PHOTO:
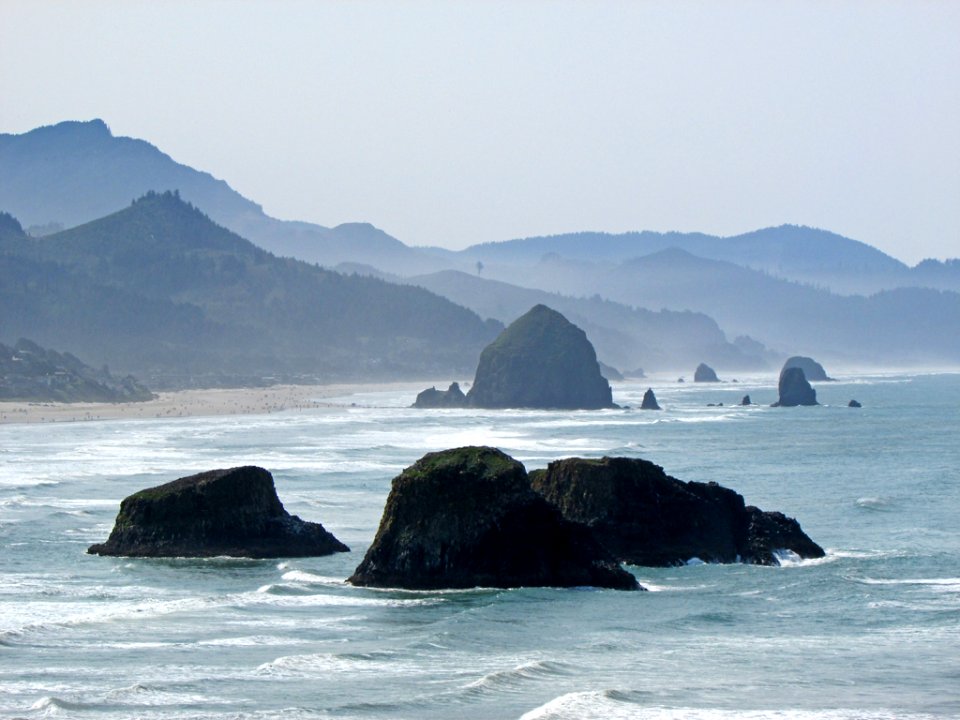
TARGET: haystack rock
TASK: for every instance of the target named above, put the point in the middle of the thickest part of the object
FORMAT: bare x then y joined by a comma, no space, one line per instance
541,360
468,517
794,389
645,517
812,370
705,373
649,401
233,512
452,397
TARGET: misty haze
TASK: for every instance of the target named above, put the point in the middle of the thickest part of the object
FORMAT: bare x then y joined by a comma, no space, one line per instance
488,360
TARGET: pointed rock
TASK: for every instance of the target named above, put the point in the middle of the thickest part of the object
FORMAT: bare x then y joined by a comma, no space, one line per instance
649,401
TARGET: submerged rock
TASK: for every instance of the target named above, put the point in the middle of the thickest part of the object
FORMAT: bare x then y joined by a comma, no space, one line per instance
794,389
233,512
705,373
649,401
812,370
854,404
452,397
541,360
645,517
468,517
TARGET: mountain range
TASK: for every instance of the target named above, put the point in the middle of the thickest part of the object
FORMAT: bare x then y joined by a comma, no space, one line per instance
657,300
160,290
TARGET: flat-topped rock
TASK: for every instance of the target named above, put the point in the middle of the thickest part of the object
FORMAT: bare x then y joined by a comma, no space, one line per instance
234,512
467,517
645,517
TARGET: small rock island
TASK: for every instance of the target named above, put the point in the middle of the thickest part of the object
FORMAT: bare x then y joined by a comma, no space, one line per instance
234,513
812,370
467,517
794,389
645,517
705,374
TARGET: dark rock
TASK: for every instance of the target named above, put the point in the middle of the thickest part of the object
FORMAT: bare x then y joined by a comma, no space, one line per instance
233,512
680,380
541,360
812,370
854,404
794,389
705,373
649,401
468,517
746,400
645,517
452,397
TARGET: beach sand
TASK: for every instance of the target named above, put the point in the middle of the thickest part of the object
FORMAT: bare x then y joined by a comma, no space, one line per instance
199,403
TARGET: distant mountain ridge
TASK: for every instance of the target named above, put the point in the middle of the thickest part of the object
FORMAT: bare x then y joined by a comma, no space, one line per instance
75,172
162,291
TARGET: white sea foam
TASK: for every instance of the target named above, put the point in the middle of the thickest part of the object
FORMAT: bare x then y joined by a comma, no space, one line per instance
613,705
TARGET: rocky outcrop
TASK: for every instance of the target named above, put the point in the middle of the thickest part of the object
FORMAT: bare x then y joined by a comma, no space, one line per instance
746,400
794,389
233,512
452,397
610,372
649,401
32,373
812,370
645,517
705,373
468,517
541,360
854,404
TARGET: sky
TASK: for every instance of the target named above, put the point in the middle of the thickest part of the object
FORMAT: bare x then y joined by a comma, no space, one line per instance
452,123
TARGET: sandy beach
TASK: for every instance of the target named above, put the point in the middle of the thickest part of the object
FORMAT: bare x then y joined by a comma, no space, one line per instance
198,403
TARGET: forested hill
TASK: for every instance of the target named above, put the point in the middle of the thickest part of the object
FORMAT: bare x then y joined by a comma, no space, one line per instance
160,290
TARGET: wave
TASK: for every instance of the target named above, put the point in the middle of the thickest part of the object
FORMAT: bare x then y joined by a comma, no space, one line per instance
879,504
939,584
516,678
617,705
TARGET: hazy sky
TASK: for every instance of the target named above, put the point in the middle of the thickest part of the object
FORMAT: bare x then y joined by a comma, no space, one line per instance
451,123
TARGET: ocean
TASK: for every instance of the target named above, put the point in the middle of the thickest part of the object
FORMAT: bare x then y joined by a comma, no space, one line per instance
871,631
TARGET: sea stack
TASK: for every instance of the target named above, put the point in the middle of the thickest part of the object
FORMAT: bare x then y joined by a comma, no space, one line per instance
812,370
649,401
541,360
452,397
467,517
794,389
233,512
645,517
746,400
705,373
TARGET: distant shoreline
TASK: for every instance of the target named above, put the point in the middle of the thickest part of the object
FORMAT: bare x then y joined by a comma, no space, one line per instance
195,403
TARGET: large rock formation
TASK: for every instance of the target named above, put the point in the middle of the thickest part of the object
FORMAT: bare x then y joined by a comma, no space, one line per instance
233,512
645,517
468,518
794,389
649,401
541,360
812,370
452,397
705,373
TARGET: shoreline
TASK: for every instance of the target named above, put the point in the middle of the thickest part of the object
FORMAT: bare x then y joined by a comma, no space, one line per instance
209,402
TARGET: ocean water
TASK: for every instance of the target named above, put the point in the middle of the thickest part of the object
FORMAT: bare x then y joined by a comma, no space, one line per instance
871,631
